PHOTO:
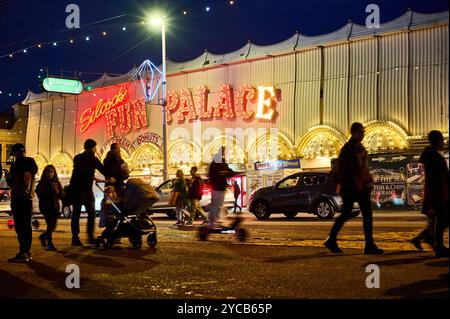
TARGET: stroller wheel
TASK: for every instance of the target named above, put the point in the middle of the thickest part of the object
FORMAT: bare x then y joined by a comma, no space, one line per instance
151,240
203,233
241,234
136,241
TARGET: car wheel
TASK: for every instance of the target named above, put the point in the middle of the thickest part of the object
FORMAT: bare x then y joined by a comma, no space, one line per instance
261,211
290,215
67,212
324,210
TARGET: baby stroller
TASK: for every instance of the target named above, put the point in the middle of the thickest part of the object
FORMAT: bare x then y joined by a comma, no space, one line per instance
129,218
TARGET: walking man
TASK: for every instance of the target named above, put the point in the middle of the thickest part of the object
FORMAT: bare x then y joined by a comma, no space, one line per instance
218,174
84,166
436,195
355,185
21,181
195,196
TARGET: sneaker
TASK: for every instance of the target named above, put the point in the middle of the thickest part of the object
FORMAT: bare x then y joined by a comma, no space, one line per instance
332,245
416,243
50,247
442,252
76,242
19,258
373,250
43,240
189,223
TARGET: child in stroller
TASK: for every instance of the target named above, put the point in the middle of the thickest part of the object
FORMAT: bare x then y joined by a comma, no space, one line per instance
127,216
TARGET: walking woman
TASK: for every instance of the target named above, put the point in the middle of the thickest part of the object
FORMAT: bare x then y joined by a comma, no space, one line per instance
49,191
180,198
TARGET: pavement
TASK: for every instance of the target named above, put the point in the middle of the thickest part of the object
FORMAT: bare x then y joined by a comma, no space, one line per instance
281,259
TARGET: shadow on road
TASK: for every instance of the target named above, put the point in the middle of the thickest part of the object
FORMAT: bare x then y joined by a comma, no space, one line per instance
431,288
14,287
57,279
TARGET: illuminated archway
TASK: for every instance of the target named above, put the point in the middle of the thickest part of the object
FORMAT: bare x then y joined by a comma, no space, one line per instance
183,151
41,162
235,151
384,136
321,141
63,163
146,155
271,146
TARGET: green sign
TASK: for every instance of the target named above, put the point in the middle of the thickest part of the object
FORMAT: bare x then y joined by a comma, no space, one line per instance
63,85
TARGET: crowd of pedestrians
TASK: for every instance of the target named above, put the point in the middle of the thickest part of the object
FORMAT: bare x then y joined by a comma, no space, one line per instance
350,173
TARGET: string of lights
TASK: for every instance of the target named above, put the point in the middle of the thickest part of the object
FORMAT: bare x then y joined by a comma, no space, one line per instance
76,39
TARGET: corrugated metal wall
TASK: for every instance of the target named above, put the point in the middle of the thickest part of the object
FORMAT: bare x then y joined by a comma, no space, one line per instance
444,80
32,137
335,87
363,81
394,79
307,110
426,50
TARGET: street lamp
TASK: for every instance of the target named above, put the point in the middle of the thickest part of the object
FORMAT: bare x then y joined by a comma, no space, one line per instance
159,21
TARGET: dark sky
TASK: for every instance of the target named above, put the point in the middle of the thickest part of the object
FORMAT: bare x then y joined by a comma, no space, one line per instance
224,28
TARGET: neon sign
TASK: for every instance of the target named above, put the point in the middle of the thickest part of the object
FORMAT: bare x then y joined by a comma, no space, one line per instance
91,115
119,114
226,105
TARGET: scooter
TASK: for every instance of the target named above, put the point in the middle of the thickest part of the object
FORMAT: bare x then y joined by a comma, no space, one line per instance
235,228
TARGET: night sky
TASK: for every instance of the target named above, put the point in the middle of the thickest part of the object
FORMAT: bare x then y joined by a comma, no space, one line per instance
223,29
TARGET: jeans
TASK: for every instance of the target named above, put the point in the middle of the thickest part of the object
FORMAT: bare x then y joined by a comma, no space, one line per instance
366,210
88,201
22,209
51,218
197,208
217,198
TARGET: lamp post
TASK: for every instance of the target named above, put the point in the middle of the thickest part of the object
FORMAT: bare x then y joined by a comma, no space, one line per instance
160,22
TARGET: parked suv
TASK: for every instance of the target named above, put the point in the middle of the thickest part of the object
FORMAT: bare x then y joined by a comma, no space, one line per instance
164,190
313,193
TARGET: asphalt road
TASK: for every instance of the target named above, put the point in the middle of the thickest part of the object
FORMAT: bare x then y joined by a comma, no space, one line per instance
281,259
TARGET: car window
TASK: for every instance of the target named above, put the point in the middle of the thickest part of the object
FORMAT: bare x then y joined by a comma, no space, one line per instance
311,180
167,185
289,182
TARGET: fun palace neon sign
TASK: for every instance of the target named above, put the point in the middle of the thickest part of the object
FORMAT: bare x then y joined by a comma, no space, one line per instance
180,105
123,113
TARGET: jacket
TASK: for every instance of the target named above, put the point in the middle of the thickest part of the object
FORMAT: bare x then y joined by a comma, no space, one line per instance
436,176
352,172
49,197
218,174
84,166
196,188
21,178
